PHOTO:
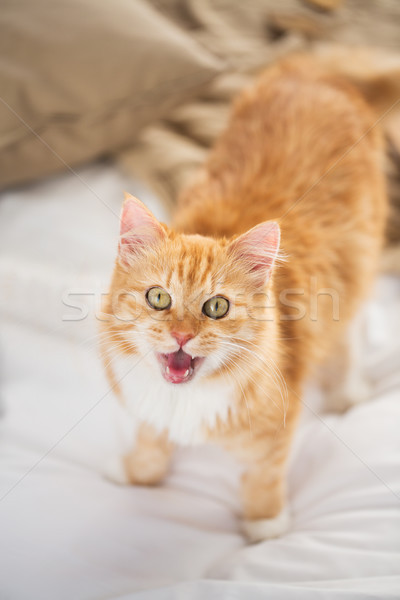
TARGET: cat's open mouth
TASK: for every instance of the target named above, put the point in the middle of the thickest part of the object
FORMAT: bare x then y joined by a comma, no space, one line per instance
178,367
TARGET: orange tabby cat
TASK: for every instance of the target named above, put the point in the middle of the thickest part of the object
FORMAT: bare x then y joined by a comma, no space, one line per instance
216,323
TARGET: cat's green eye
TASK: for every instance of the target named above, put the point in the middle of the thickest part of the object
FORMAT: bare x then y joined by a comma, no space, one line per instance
158,298
216,307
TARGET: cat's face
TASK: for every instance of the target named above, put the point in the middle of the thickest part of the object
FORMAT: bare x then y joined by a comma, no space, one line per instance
187,304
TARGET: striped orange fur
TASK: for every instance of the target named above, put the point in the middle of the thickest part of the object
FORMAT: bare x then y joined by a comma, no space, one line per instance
301,151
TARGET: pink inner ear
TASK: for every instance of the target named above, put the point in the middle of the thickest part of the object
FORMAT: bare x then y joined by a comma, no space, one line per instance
258,248
139,229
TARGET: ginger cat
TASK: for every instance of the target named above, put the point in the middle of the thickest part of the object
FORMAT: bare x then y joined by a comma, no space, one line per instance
218,322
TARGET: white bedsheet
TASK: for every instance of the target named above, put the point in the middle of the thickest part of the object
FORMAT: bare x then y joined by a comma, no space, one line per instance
67,533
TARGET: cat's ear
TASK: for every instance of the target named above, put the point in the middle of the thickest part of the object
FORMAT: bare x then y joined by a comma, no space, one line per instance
139,230
258,249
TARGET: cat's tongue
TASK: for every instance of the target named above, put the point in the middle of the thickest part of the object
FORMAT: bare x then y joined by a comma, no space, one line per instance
179,366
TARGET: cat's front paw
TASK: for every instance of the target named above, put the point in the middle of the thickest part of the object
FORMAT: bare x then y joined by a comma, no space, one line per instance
136,469
265,529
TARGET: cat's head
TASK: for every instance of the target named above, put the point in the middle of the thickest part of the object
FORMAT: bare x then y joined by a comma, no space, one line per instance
189,304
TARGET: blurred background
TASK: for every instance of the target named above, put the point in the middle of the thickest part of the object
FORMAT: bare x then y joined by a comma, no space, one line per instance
98,97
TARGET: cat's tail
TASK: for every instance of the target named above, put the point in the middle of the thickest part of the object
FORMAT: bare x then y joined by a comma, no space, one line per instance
376,74
391,255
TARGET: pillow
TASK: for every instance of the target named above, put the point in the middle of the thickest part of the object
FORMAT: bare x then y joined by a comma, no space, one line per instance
79,78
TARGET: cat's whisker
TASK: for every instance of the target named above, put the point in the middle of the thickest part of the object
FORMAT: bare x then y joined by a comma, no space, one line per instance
251,378
113,343
110,352
244,397
265,359
100,335
277,380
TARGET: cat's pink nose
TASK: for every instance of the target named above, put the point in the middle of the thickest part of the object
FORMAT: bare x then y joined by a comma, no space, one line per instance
182,337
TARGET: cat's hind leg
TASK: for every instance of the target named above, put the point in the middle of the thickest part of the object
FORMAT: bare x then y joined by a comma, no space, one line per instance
344,378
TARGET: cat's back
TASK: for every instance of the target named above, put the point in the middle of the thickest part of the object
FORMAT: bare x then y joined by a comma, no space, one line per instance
299,141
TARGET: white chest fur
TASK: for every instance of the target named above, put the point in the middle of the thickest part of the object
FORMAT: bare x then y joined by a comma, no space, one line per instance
185,410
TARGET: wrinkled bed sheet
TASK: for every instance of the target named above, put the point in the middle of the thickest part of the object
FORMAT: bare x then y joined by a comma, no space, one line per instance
66,532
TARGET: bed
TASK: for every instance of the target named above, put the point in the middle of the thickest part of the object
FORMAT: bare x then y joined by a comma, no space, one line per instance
67,532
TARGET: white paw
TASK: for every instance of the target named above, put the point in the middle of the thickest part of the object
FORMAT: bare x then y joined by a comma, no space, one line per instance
265,529
114,470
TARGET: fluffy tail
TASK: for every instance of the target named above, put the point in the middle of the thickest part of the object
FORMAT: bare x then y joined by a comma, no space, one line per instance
376,74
